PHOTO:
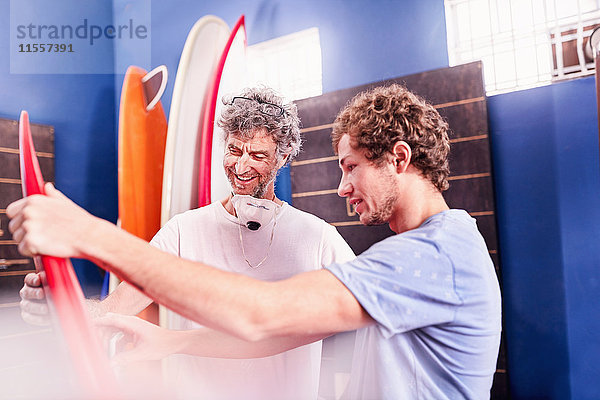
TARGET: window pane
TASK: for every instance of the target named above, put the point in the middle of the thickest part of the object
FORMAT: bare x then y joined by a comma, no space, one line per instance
514,38
290,64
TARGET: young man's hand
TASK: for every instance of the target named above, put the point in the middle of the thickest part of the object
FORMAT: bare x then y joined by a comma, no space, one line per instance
51,225
140,339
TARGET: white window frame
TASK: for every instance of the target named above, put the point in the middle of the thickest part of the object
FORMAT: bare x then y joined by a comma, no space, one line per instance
511,47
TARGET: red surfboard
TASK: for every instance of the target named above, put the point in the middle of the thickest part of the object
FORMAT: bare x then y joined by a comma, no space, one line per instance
64,292
208,120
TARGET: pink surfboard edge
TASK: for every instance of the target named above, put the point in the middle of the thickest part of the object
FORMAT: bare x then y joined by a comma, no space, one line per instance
205,156
64,291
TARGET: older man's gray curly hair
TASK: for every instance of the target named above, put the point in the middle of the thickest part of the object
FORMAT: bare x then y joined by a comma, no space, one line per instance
242,118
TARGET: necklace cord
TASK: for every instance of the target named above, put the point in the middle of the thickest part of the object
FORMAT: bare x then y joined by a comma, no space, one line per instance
268,248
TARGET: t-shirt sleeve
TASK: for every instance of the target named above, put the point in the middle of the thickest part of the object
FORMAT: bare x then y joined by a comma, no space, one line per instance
403,282
167,238
334,247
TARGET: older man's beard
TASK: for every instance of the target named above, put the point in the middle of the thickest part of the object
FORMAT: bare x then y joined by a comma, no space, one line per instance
261,187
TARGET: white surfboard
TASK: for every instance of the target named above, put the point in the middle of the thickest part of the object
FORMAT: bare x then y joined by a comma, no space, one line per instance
199,59
197,64
227,74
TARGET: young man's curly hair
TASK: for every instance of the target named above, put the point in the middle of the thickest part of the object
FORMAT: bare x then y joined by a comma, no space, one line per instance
378,118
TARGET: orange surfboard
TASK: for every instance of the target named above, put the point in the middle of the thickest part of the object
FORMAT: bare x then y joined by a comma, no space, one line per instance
142,136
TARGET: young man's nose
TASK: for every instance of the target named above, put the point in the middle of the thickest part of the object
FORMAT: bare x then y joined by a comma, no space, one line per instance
344,188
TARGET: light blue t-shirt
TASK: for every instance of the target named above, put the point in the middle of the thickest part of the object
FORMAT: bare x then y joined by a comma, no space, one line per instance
435,297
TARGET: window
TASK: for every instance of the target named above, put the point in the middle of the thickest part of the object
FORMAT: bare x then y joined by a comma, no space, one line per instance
290,64
522,43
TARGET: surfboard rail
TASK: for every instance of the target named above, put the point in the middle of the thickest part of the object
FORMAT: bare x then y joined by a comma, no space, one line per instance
208,119
64,292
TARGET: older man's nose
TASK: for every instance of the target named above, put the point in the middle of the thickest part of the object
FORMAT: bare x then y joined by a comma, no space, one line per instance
242,165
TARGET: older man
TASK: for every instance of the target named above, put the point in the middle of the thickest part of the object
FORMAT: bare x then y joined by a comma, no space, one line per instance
426,301
250,232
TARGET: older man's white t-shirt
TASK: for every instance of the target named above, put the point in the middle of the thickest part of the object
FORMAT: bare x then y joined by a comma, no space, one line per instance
297,242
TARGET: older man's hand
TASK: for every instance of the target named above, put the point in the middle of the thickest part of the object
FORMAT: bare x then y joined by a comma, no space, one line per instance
140,340
50,225
34,308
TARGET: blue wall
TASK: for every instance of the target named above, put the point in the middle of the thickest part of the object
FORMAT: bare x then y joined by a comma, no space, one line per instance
579,188
524,149
82,110
547,171
361,41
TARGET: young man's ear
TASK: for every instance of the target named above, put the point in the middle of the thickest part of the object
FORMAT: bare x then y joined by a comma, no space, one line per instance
401,154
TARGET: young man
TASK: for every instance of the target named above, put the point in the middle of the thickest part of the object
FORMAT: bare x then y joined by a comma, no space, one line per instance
426,301
250,232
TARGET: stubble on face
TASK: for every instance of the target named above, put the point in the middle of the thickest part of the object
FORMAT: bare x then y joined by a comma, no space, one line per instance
261,187
263,177
385,202
263,183
383,212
